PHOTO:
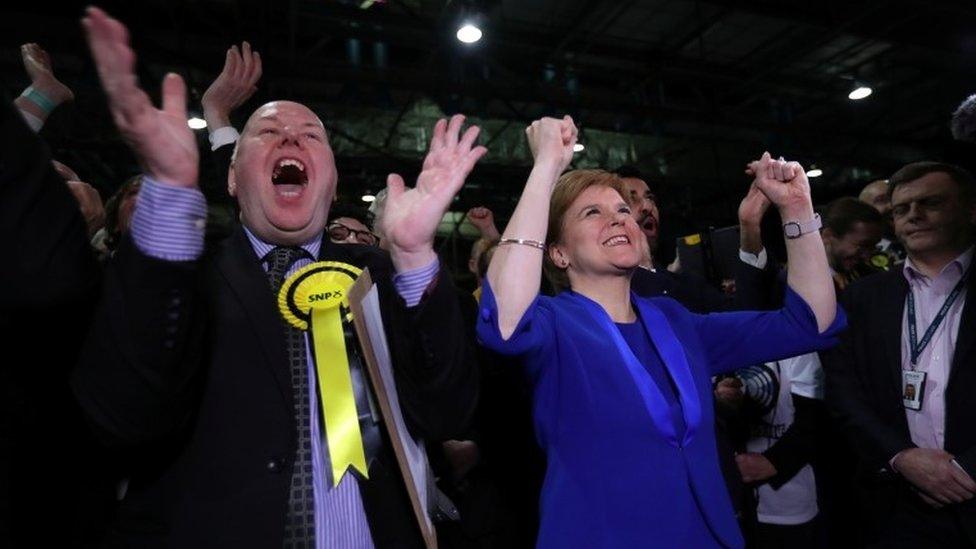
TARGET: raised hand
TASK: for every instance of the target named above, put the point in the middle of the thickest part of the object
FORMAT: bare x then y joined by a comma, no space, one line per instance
37,63
484,220
160,138
784,184
754,205
235,84
552,140
46,92
411,216
751,211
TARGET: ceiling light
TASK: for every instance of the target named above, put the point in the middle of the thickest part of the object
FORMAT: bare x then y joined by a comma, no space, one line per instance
860,92
469,34
196,123
579,147
814,172
368,198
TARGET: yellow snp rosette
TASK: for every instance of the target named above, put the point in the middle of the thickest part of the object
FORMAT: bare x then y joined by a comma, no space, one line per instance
312,299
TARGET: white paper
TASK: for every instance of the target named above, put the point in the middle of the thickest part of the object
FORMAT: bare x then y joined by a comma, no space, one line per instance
413,448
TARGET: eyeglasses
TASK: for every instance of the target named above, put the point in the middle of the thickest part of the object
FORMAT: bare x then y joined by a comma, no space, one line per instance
339,233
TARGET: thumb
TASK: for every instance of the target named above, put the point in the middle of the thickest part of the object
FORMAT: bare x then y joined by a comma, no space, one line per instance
174,95
395,187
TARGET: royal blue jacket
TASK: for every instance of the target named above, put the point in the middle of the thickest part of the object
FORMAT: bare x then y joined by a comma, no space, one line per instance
619,474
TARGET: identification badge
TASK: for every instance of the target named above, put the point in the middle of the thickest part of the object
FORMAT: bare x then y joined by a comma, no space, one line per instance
912,387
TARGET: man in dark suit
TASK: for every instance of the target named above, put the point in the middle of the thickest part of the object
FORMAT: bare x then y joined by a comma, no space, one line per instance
917,455
190,368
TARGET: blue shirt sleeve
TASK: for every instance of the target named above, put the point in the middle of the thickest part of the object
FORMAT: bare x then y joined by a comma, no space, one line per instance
169,221
738,339
534,333
411,285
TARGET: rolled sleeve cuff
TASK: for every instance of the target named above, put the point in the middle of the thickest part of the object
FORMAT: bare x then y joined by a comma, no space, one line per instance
223,136
411,285
755,260
169,221
34,122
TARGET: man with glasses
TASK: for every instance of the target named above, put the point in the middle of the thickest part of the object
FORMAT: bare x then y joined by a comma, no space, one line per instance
351,225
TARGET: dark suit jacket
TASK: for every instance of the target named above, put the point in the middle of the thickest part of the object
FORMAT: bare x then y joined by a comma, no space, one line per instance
48,286
186,368
753,289
863,389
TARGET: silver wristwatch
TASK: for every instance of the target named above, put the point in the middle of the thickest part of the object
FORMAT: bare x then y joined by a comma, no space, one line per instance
796,229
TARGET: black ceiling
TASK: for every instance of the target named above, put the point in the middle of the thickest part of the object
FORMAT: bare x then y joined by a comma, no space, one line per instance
688,90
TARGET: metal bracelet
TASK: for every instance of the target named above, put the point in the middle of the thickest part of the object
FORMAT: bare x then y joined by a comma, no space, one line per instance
524,242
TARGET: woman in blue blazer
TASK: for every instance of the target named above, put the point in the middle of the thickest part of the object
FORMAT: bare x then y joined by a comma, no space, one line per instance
622,396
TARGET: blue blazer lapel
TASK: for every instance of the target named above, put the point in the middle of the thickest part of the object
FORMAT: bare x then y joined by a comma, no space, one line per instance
671,353
675,360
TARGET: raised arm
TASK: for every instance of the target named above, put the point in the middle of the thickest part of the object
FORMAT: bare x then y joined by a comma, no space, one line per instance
411,215
45,92
235,84
135,377
515,271
786,186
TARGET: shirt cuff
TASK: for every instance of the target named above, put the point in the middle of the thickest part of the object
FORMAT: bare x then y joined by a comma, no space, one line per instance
169,221
223,136
34,122
411,285
756,260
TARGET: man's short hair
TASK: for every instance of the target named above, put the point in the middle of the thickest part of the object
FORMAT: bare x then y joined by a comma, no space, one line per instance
963,123
361,215
917,170
842,214
629,171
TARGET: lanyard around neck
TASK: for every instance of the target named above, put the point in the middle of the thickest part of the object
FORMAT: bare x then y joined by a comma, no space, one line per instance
918,346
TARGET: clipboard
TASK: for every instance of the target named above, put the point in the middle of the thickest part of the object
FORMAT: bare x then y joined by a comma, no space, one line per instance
410,454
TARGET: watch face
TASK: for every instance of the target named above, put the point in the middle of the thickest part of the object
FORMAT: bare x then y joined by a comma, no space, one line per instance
792,229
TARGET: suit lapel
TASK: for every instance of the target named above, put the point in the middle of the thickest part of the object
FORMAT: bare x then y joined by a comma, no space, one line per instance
967,331
891,312
675,361
241,269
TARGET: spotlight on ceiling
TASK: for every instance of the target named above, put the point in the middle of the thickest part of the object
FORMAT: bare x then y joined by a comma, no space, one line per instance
814,172
579,147
196,123
860,92
368,197
469,33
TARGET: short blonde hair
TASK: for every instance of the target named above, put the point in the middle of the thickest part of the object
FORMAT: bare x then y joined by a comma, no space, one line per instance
570,185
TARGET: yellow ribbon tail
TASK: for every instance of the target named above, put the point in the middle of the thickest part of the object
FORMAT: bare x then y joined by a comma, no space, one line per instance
342,431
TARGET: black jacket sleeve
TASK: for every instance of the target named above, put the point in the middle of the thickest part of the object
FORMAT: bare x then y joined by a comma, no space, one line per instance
135,378
50,260
875,440
438,383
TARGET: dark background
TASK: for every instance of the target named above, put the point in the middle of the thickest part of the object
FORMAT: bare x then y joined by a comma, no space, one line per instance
686,90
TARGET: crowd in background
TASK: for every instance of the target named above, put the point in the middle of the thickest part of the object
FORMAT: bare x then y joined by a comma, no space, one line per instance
118,413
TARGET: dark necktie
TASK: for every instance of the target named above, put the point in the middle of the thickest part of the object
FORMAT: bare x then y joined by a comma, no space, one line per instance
300,523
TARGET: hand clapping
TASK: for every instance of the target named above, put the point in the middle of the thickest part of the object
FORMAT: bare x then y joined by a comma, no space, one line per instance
160,138
411,216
